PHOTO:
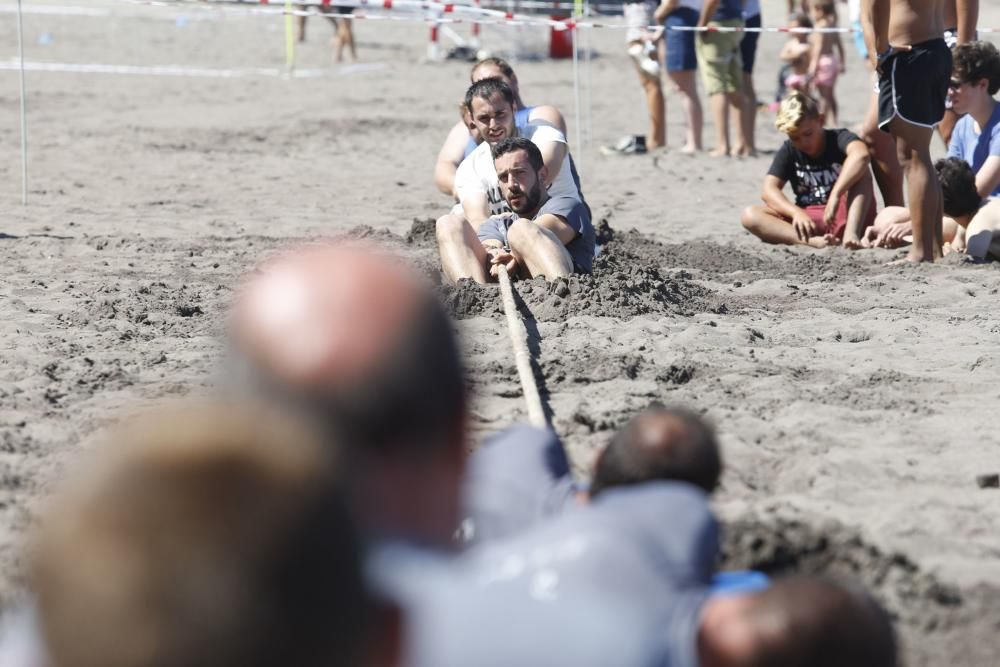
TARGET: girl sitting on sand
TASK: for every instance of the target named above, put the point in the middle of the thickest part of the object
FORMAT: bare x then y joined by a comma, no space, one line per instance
824,64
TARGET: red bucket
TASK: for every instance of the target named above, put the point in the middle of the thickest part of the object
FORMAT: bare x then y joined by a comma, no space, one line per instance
561,41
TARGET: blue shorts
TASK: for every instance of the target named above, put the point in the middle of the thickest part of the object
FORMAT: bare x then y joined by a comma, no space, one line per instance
748,45
681,55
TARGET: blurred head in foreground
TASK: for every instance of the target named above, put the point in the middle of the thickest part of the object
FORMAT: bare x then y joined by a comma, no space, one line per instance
204,535
660,443
355,340
797,622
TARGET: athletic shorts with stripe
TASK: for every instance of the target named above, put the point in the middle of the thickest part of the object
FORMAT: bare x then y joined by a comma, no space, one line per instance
914,84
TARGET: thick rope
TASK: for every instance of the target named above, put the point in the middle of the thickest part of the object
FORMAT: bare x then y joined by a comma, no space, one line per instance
522,357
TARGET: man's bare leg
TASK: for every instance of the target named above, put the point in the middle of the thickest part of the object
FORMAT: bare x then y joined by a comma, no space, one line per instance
885,163
462,255
769,228
748,118
539,250
719,102
913,144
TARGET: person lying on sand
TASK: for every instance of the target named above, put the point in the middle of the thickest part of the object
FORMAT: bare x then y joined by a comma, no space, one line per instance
481,196
829,174
464,137
971,224
541,236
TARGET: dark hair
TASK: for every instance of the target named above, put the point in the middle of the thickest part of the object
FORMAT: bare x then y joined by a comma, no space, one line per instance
958,187
801,18
486,88
511,144
683,449
978,60
820,623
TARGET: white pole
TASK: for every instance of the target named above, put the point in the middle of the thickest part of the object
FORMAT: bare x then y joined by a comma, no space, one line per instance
576,96
24,124
590,80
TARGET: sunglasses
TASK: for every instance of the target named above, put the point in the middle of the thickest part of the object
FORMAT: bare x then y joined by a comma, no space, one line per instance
955,84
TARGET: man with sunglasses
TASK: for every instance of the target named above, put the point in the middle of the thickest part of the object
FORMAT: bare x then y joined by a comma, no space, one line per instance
976,138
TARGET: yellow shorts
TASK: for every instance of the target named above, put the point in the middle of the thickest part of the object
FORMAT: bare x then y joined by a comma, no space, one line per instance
719,58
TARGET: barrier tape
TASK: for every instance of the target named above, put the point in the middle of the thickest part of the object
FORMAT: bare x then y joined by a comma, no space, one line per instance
181,70
444,13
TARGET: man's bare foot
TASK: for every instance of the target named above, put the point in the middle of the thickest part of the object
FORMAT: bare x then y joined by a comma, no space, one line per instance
915,256
719,152
744,151
818,242
690,150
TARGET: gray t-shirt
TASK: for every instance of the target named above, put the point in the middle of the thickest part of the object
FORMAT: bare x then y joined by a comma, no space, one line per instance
572,210
514,480
450,620
650,547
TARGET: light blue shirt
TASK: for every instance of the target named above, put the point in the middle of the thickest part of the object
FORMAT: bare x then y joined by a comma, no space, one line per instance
974,147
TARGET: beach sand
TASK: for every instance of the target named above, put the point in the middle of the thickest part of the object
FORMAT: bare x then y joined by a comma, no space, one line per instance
855,399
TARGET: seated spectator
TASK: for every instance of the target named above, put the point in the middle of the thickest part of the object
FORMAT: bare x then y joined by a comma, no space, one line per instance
211,535
976,137
464,136
829,174
971,224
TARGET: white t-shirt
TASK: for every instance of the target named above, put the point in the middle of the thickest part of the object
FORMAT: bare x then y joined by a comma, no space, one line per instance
477,174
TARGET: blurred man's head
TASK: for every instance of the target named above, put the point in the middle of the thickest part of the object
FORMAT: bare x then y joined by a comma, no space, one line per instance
356,340
975,76
521,173
798,622
205,535
497,68
660,443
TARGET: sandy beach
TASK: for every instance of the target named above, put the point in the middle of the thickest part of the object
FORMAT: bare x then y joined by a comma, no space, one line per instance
856,399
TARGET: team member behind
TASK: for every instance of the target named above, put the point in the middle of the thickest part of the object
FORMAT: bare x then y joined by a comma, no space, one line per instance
216,534
722,69
490,102
464,137
542,235
682,63
828,171
907,49
522,476
826,57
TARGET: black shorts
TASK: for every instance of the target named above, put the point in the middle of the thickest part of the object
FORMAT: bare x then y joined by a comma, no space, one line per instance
914,85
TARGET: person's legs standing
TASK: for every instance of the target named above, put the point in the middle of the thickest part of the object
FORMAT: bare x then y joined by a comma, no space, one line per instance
638,16
885,163
682,63
748,116
913,144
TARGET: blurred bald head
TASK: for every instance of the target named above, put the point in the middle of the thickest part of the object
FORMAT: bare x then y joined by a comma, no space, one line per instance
355,336
660,443
355,340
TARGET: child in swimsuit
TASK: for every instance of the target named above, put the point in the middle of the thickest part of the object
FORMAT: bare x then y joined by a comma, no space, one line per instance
824,63
794,74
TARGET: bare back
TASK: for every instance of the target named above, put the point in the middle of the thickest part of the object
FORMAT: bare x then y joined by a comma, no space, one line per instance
915,21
